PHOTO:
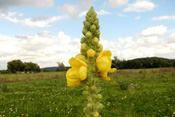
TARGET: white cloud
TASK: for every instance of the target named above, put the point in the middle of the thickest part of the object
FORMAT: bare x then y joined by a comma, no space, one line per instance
101,12
155,30
164,18
42,48
72,10
116,3
40,21
121,15
140,6
75,10
17,3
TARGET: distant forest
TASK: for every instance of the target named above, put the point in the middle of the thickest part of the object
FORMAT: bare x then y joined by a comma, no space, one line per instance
15,66
148,62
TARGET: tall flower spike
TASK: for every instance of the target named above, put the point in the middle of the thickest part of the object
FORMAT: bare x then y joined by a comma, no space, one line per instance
92,64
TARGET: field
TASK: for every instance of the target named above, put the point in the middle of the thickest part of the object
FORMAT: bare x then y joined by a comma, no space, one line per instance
143,92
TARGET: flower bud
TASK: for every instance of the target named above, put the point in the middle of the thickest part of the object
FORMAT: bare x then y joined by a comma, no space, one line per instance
89,99
96,114
85,110
88,35
91,20
93,88
100,106
98,96
97,33
84,31
91,53
100,47
89,106
87,18
93,28
96,22
98,26
83,46
95,40
85,93
86,24
83,39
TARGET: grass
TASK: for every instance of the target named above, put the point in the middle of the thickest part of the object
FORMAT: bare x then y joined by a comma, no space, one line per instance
129,93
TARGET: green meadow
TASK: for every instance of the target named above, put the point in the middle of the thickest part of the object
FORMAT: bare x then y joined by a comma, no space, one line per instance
141,92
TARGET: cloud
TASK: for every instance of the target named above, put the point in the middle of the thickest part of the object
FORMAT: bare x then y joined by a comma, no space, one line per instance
154,31
17,3
101,12
140,6
71,10
39,21
121,15
42,48
116,3
75,11
164,18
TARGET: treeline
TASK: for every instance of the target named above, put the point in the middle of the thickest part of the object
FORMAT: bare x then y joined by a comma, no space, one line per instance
16,66
153,62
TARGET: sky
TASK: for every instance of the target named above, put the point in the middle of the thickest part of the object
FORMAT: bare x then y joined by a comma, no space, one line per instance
49,31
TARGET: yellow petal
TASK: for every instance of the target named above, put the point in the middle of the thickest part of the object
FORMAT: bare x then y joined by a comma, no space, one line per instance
111,70
91,53
103,64
81,57
72,73
83,73
103,74
105,78
76,63
104,53
73,82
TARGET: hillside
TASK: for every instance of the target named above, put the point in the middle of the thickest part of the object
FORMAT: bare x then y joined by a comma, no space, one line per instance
151,59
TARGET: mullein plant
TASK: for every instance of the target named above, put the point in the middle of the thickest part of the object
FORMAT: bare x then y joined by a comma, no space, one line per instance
93,63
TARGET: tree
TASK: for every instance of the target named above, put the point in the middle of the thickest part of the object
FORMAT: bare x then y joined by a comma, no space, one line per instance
147,64
61,67
15,65
31,67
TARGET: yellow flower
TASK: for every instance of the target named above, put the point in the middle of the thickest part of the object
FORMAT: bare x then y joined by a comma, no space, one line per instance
81,57
91,53
100,47
77,73
103,63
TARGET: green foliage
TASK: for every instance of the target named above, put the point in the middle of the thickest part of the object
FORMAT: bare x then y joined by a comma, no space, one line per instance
61,67
124,85
15,65
18,66
153,62
149,96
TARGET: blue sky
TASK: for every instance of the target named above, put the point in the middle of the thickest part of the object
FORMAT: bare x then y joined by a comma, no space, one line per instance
49,31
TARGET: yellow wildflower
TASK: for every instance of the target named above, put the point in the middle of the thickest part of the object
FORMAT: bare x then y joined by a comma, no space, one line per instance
91,53
77,73
81,57
103,63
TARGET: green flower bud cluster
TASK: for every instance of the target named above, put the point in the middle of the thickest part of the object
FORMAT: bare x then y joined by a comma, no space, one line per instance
91,32
91,48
